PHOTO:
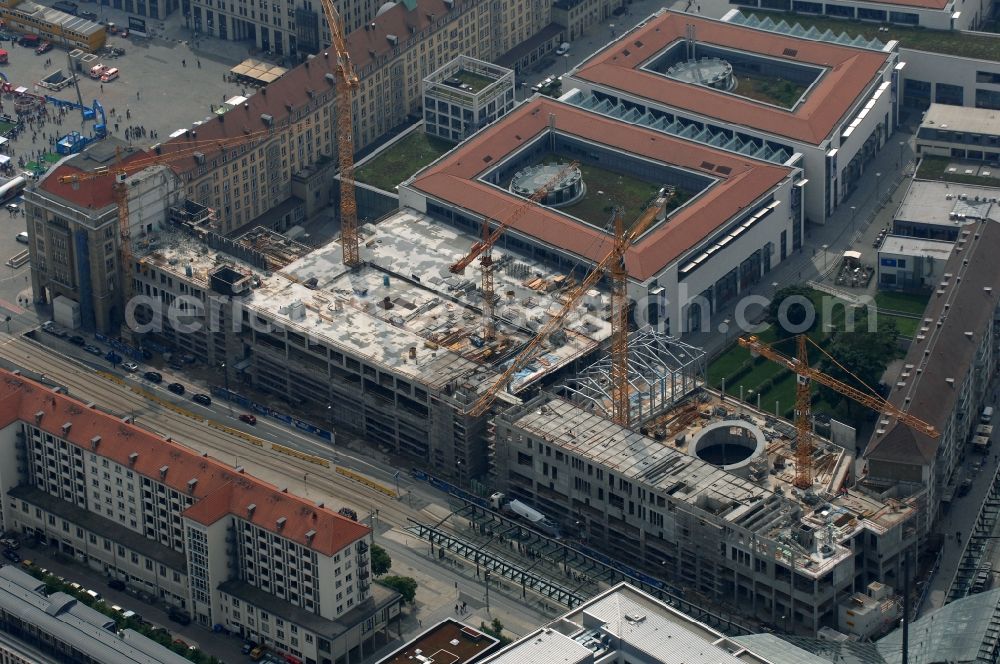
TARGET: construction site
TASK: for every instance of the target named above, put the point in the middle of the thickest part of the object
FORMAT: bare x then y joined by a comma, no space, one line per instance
395,349
709,500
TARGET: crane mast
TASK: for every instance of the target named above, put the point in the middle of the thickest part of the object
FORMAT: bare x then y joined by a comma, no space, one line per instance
347,84
620,412
799,365
620,244
484,250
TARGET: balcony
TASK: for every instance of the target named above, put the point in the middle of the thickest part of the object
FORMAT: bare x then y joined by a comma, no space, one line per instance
362,547
363,573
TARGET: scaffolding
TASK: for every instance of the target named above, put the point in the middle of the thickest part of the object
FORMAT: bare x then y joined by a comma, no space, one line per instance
663,371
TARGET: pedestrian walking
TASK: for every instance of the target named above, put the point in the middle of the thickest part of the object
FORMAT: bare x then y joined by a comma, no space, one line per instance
102,91
184,63
199,64
137,94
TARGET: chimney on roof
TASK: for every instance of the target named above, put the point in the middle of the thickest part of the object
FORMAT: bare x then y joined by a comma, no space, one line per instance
250,508
132,458
326,54
310,534
239,469
320,504
194,133
289,107
192,483
268,119
450,4
94,442
222,117
968,334
281,522
367,28
163,471
199,158
330,78
392,39
39,415
306,64
65,428
158,149
310,57
246,106
263,90
950,381
284,489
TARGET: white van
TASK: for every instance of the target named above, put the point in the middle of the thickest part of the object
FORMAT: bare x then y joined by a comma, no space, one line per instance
109,75
97,71
22,237
987,415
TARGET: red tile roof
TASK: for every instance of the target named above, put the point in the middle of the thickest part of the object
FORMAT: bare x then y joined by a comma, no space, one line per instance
93,194
453,179
219,489
849,71
291,92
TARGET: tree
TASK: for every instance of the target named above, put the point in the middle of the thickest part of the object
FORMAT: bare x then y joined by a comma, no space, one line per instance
495,629
794,313
404,585
381,562
860,356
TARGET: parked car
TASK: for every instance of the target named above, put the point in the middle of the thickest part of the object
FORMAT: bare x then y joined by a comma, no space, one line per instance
153,376
89,16
247,647
203,399
562,49
113,357
248,418
130,366
77,340
22,237
10,543
12,555
179,616
53,329
116,584
31,41
176,388
92,349
43,48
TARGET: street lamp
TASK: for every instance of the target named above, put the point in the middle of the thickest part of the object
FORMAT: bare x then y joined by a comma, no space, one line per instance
486,580
824,247
878,185
225,373
902,144
854,215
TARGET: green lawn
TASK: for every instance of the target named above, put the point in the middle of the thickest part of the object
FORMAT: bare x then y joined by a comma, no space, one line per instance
474,80
910,303
402,160
782,388
769,90
607,188
920,39
907,326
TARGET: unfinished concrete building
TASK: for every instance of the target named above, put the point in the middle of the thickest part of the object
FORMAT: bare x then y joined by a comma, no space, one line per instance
709,504
392,350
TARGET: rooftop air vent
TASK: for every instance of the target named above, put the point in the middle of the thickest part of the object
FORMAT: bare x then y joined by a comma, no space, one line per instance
163,471
267,119
950,381
392,39
94,442
280,523
65,428
132,458
192,483
310,534
330,78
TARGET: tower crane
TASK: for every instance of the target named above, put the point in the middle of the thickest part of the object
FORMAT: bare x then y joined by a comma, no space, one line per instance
621,413
799,365
620,243
484,249
347,84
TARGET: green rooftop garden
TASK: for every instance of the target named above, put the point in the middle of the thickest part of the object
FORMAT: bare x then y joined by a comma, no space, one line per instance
401,160
606,188
476,81
948,42
936,168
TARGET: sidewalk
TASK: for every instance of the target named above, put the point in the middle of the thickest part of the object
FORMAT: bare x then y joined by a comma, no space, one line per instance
823,245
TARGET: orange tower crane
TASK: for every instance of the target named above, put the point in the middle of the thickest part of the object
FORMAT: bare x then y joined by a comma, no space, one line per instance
620,243
347,85
799,365
484,249
621,413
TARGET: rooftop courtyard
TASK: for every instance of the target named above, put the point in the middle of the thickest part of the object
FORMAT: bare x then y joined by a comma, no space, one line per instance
607,188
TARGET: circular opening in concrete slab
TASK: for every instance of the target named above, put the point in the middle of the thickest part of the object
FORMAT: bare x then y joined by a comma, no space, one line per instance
729,444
